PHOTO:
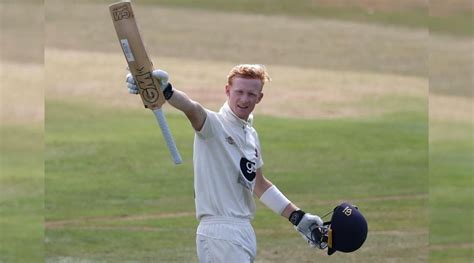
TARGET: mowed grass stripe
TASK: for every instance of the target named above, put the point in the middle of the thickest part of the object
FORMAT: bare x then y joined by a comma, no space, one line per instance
235,38
293,92
454,17
91,220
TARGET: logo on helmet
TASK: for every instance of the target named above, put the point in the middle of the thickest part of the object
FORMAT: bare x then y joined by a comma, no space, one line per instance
347,211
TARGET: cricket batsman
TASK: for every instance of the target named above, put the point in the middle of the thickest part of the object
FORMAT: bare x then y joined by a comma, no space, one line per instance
228,172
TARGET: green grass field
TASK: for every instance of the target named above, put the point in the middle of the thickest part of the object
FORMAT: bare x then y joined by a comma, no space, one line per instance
113,194
414,13
21,193
454,18
354,86
451,169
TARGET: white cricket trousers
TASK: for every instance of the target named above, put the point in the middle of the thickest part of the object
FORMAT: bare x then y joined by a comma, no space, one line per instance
225,240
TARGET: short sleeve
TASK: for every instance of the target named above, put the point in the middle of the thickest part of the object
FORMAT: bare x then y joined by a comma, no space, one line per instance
208,128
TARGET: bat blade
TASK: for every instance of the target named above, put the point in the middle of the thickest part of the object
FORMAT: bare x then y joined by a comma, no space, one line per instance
141,68
136,55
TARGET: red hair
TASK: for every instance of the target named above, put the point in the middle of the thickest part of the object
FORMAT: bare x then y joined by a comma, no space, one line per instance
249,71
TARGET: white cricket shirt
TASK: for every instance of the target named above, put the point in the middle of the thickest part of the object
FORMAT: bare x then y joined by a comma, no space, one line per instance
226,157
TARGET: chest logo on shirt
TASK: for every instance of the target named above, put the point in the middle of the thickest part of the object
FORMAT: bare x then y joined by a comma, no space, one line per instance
248,169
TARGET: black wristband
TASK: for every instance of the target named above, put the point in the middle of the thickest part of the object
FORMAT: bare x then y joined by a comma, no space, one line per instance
296,217
168,91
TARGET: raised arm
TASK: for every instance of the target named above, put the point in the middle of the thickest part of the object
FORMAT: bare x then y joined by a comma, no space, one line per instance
192,109
176,98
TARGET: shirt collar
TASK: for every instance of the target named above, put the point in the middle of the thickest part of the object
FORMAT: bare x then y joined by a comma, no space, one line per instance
228,114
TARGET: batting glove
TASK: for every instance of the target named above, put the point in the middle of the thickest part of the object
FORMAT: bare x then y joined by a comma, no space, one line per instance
305,224
132,87
160,75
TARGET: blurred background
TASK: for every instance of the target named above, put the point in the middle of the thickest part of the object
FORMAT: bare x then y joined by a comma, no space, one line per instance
21,131
370,102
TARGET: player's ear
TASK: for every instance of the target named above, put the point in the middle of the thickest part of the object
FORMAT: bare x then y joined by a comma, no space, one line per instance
260,97
227,89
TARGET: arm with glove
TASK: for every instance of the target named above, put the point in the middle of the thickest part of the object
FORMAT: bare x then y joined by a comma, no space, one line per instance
306,224
176,98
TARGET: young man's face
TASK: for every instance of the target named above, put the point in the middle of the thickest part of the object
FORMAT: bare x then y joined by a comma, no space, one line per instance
243,95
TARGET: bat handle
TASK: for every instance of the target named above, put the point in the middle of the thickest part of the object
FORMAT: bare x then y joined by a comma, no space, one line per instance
160,117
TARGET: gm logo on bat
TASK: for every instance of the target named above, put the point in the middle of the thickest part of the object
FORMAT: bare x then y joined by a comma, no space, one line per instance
122,13
147,85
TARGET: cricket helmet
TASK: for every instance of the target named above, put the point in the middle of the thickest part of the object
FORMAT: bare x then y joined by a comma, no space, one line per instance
346,232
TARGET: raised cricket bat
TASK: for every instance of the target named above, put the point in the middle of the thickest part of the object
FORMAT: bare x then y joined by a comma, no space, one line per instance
141,67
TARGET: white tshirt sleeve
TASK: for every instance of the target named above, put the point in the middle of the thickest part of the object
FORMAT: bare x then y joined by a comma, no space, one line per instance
207,130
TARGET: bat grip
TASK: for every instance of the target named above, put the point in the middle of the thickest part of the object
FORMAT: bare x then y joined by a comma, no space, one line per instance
160,117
